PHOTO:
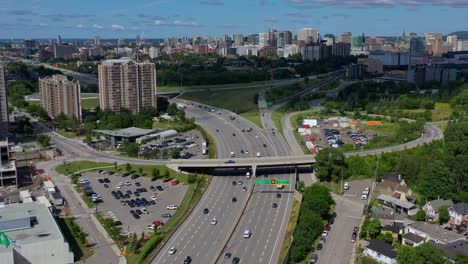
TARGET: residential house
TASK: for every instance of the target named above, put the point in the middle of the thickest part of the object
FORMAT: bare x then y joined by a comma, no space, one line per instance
459,217
393,185
398,205
411,239
454,249
433,233
381,251
395,231
387,217
432,207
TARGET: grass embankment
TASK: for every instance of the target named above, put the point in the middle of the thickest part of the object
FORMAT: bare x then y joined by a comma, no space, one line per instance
76,238
290,230
212,148
276,116
441,111
279,92
240,101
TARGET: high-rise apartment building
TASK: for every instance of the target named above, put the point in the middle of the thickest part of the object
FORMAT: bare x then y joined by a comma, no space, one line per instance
97,41
308,35
59,95
341,49
153,52
124,83
434,43
3,100
64,50
8,173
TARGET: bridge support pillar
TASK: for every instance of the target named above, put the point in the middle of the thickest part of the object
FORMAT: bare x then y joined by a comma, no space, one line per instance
296,175
254,171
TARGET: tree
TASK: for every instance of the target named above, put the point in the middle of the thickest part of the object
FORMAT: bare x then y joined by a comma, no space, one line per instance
155,173
370,228
115,165
425,253
175,154
330,164
421,215
43,140
444,215
192,178
167,174
140,170
172,109
131,149
387,237
128,167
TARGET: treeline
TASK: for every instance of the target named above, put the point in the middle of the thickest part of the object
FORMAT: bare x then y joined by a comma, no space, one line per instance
324,65
438,169
315,208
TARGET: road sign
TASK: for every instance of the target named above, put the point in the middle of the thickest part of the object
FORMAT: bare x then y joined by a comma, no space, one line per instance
263,182
282,182
272,182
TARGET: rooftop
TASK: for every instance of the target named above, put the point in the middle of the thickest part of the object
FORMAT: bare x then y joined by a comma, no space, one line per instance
128,132
436,204
395,201
413,237
27,223
436,232
385,213
455,248
461,208
382,248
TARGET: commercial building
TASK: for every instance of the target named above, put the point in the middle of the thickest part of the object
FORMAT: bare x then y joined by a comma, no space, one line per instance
434,43
59,95
308,35
3,101
341,49
97,40
64,50
34,235
310,53
345,37
372,66
8,173
153,52
263,39
124,83
394,59
129,134
238,39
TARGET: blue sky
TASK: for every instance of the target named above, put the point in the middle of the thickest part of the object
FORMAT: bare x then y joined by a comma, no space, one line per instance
165,18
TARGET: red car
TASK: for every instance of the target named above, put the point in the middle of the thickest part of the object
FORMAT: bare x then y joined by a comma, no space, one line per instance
158,223
328,227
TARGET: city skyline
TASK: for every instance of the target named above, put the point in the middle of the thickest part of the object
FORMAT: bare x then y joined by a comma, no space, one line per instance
159,19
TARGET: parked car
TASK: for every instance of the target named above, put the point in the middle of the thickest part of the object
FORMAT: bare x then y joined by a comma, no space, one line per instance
172,207
172,251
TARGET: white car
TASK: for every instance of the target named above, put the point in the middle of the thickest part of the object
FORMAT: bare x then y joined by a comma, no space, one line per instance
172,251
364,196
247,175
127,183
259,155
366,191
154,198
172,207
214,221
118,186
151,227
247,233
244,189
346,186
324,233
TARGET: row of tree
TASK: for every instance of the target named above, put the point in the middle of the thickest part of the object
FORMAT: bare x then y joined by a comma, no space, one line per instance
315,208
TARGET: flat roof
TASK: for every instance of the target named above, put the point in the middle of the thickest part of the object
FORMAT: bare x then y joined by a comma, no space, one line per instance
398,202
437,232
127,132
29,223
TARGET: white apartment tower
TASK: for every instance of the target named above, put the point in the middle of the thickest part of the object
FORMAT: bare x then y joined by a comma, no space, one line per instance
124,83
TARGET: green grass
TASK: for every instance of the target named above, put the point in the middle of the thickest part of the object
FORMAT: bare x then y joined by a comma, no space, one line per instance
290,230
276,116
240,101
80,251
193,195
90,103
212,149
442,111
87,95
197,87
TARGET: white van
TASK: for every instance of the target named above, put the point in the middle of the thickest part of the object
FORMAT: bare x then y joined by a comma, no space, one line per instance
247,175
247,233
258,155
232,154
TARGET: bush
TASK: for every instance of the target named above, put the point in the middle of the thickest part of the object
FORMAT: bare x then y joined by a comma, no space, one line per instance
192,178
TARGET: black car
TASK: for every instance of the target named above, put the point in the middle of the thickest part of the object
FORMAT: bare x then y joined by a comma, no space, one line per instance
234,199
275,205
100,171
313,259
137,194
264,145
205,211
136,216
166,215
278,195
331,221
129,192
159,188
138,211
127,196
217,130
234,183
235,260
319,246
101,181
134,176
106,180
227,255
188,260
110,173
233,134
137,184
334,215
125,174
114,193
106,185
152,188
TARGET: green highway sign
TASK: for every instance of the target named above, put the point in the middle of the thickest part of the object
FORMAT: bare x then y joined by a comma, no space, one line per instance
272,182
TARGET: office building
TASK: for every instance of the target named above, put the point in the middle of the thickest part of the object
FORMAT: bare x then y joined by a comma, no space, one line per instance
434,43
97,41
247,51
341,49
124,83
64,50
8,173
462,45
372,66
290,50
310,53
391,58
29,43
3,100
308,35
59,39
238,39
34,235
252,39
283,38
263,39
452,41
59,95
345,37
423,74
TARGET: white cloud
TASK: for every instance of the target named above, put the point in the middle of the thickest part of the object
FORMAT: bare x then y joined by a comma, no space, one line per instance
118,27
43,24
185,23
79,26
159,22
97,26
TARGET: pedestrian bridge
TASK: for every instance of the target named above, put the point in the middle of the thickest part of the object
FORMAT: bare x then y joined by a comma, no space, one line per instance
243,162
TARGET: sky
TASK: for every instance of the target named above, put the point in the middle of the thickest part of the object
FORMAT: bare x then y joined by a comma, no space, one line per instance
178,18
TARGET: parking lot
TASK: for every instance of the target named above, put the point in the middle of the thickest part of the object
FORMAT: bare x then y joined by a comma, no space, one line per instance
338,246
155,208
190,145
